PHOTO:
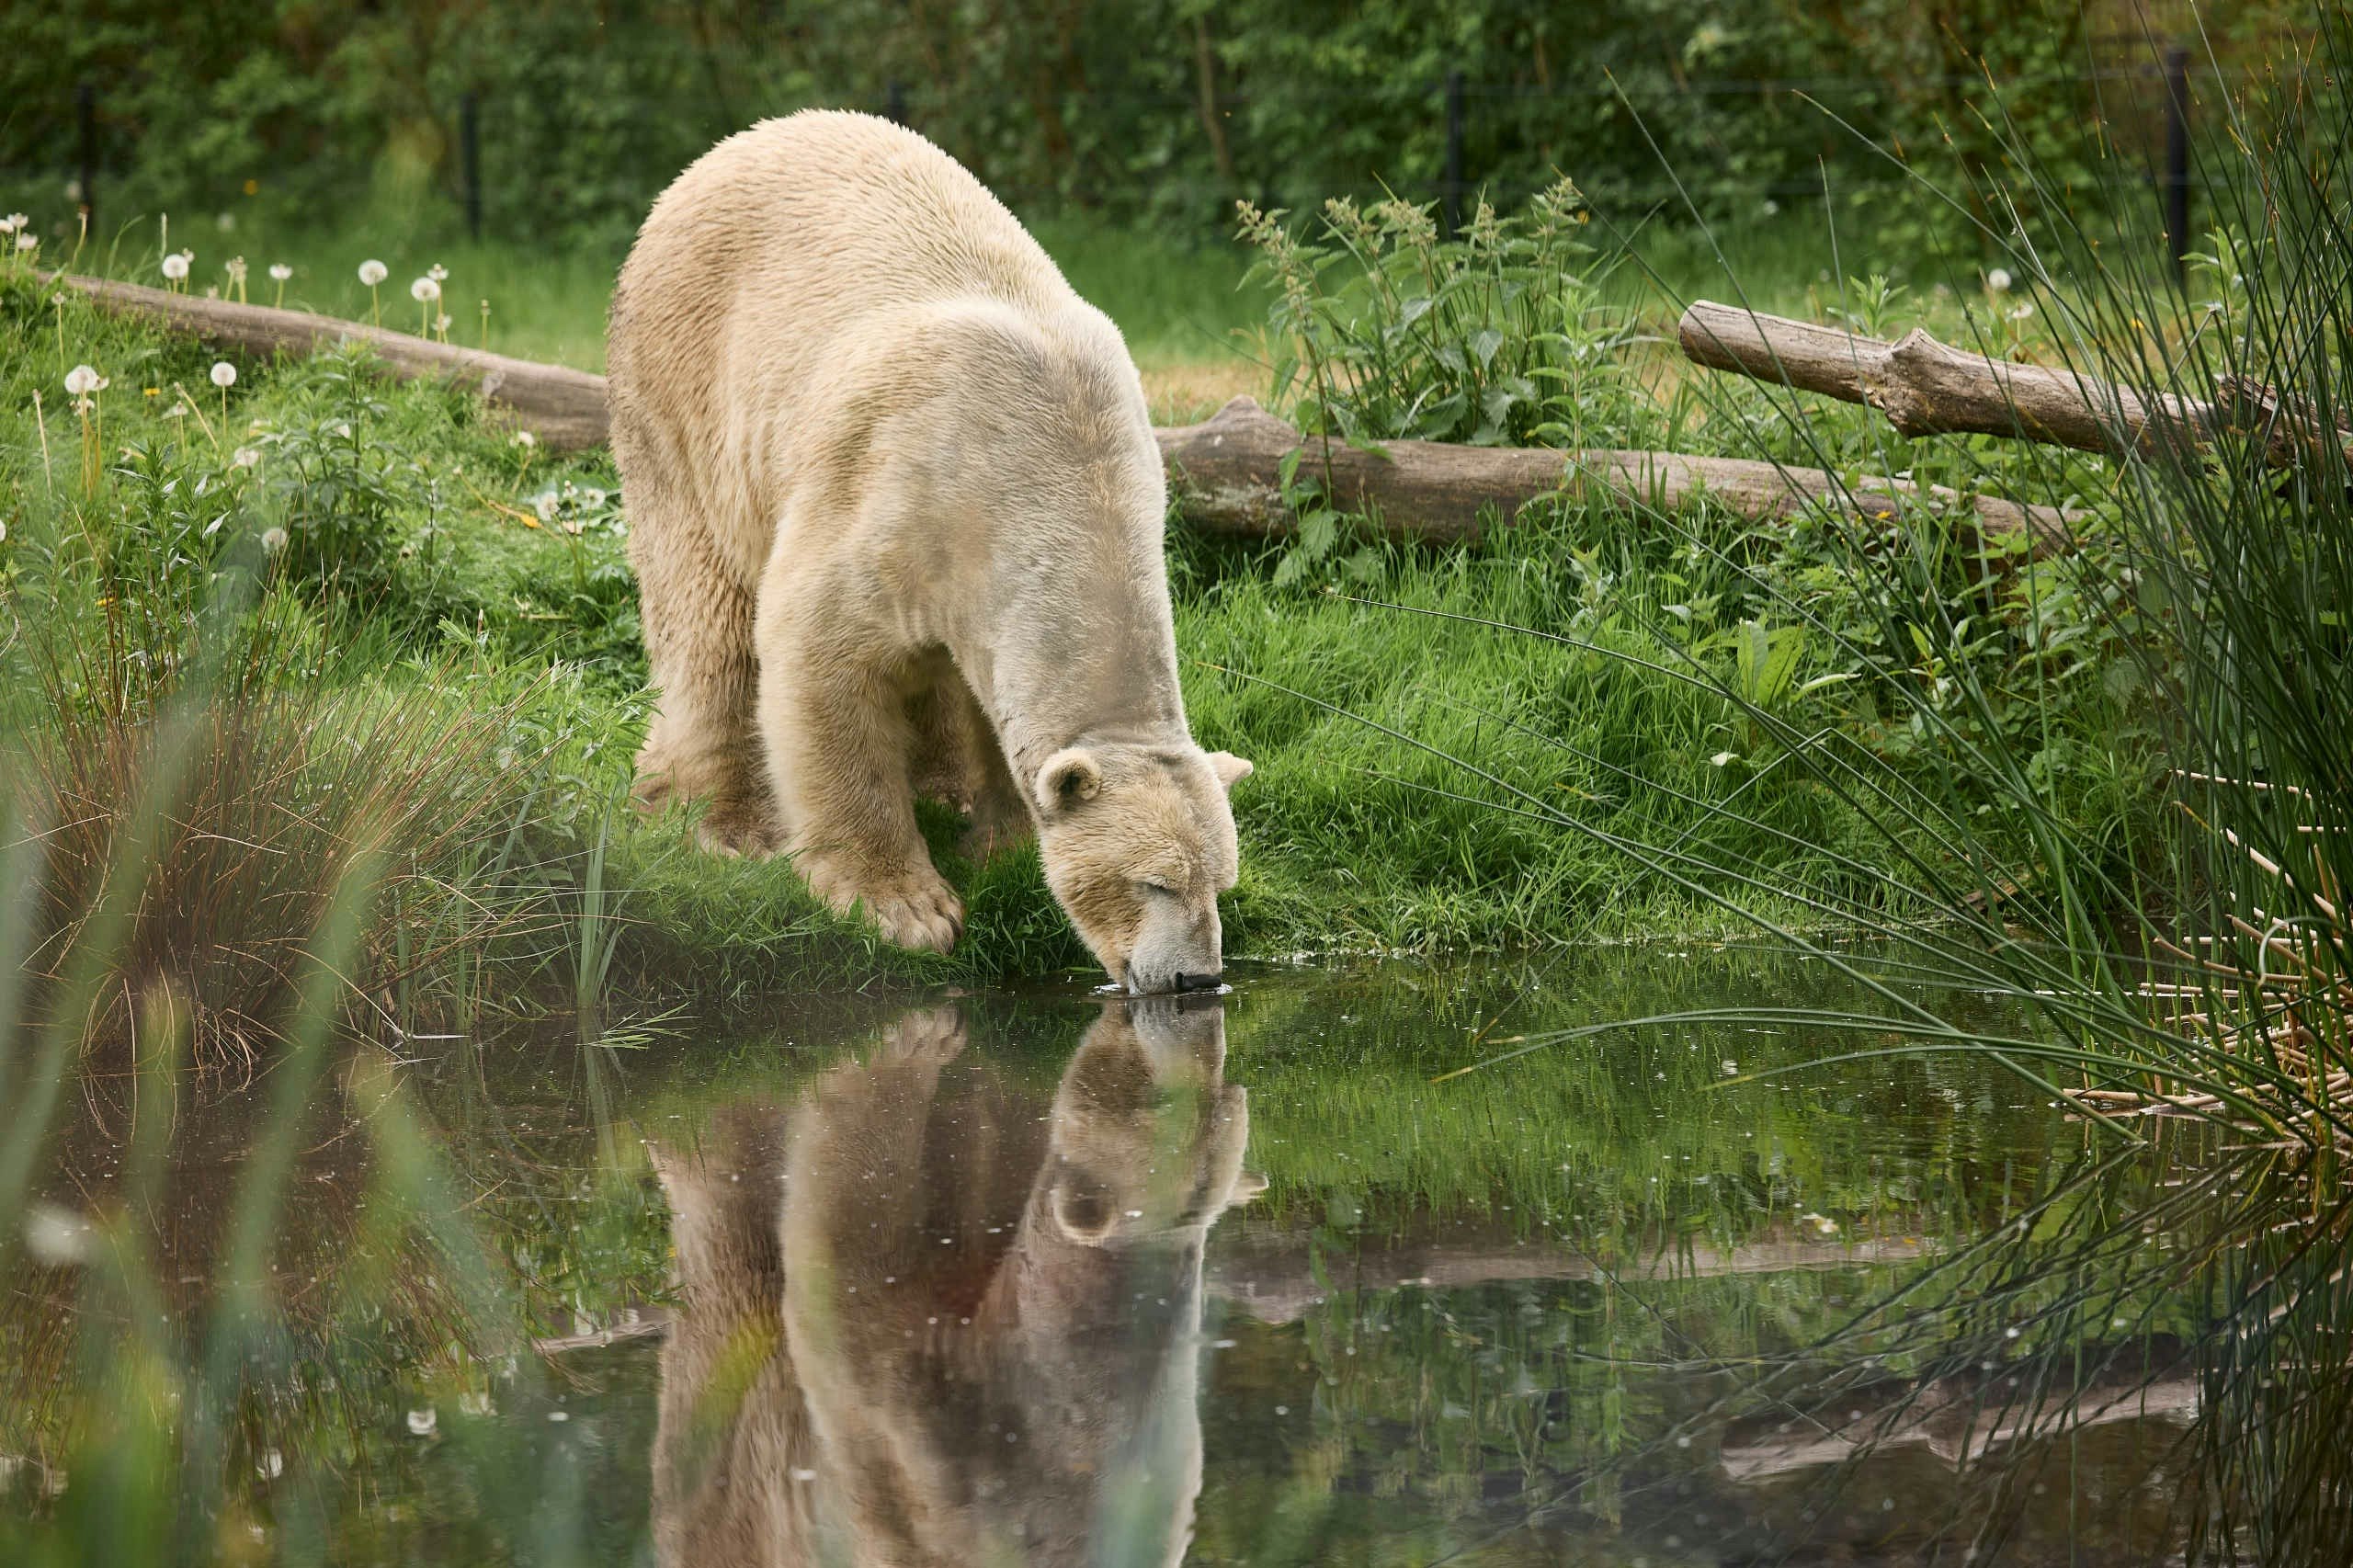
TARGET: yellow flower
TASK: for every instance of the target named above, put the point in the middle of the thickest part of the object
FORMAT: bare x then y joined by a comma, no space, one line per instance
253,187
152,391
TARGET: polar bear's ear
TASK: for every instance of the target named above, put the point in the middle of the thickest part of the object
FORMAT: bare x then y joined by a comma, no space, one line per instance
1230,769
1069,777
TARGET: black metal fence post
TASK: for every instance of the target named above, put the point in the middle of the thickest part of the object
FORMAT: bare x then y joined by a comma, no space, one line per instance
1450,196
85,110
894,101
2178,158
470,160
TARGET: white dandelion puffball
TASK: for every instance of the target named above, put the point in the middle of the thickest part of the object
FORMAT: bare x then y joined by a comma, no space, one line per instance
524,438
280,271
422,1422
57,1238
425,290
9,224
437,272
83,380
372,272
273,541
246,457
1998,281
176,266
28,241
17,221
544,505
441,322
2022,310
224,374
235,267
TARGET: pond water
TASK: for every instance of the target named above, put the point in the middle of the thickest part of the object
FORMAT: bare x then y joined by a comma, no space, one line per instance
1038,1277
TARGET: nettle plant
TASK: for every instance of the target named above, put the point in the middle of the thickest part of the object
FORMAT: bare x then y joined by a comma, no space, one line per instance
1382,330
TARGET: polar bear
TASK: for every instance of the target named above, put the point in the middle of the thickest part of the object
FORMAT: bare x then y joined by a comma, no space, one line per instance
897,514
927,1317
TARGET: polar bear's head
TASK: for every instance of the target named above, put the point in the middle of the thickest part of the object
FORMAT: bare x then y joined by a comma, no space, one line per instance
1138,842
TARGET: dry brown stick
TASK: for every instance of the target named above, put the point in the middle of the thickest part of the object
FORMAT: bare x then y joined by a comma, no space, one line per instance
1928,388
1226,472
563,407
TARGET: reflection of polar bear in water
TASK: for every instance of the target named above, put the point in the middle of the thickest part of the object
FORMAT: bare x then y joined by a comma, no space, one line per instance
922,1324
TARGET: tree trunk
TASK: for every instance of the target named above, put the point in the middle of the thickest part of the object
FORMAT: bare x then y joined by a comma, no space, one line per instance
1226,476
1928,388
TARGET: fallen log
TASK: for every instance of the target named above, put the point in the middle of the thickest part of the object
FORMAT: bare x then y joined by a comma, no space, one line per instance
1226,476
563,408
1928,388
1226,472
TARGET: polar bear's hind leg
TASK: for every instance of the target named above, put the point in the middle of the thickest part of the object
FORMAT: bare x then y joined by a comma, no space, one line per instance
700,746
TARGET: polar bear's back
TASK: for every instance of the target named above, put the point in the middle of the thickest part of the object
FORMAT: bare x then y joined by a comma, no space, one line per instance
865,213
771,276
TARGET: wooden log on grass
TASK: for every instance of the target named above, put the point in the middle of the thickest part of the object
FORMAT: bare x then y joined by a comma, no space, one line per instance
1227,477
563,407
1226,472
1928,388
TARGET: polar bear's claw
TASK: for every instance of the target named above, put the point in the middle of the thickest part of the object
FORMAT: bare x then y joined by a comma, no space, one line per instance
927,919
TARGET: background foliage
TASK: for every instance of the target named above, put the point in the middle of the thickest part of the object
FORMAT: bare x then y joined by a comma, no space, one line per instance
1159,110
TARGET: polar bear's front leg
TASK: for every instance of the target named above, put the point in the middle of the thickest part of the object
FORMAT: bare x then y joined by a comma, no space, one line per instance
838,745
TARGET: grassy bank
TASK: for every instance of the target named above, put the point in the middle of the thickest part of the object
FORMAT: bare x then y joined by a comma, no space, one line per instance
404,546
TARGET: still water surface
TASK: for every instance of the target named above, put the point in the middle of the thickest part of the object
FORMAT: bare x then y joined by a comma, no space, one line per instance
1041,1277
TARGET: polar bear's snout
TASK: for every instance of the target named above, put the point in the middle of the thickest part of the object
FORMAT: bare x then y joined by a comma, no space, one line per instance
1138,842
1177,948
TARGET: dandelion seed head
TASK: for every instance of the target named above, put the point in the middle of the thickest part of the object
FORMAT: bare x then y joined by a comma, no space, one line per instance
235,267
57,1238
524,438
28,241
1998,281
280,271
372,272
425,290
83,380
175,266
437,272
247,456
223,374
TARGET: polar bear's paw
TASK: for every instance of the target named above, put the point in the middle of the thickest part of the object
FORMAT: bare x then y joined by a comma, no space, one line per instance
924,917
739,828
915,909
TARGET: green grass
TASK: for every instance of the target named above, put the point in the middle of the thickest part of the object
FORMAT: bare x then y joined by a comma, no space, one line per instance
1174,304
1357,674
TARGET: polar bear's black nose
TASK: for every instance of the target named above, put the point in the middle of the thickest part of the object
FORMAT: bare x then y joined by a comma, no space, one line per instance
1198,981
